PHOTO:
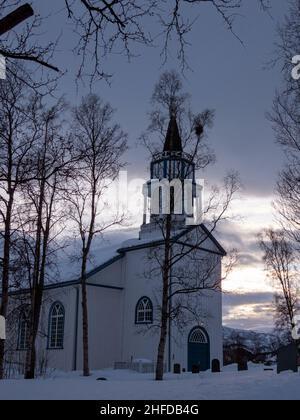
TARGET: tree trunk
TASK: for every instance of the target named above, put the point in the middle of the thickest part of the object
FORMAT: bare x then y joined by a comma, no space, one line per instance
163,338
37,299
5,277
37,292
165,304
85,326
34,325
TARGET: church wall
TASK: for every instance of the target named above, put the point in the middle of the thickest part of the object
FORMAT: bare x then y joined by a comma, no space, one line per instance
209,316
208,305
113,333
110,276
138,342
213,326
104,328
105,318
59,359
105,314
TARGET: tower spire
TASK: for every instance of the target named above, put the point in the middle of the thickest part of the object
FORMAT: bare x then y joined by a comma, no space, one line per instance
173,140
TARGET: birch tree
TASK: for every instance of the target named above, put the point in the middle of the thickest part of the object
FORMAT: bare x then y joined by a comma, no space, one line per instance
51,161
285,118
185,271
15,147
103,28
281,265
100,143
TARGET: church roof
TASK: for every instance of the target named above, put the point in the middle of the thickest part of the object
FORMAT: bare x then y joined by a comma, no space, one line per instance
120,253
173,140
157,242
77,281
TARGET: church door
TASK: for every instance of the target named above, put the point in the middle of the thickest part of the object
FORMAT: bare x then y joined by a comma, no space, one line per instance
198,349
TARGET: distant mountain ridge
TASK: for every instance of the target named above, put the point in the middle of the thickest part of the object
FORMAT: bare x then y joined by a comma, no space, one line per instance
253,341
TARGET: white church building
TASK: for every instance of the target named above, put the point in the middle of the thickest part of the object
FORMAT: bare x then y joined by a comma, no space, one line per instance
124,296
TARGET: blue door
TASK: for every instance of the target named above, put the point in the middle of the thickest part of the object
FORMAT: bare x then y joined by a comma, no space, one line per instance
198,349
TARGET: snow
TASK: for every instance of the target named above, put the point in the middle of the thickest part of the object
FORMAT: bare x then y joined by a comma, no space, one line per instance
255,384
103,250
146,361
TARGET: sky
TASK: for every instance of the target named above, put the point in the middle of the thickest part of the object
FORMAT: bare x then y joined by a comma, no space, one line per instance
236,81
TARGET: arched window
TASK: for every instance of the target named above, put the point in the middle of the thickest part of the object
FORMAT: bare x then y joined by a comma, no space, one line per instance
144,311
56,326
23,338
198,336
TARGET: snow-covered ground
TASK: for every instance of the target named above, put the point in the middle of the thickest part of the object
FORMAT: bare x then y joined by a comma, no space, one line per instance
256,384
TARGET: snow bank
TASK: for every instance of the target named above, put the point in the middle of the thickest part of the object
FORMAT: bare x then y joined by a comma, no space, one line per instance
256,384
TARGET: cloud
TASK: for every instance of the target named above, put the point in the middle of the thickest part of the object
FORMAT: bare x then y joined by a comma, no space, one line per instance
244,238
250,311
237,299
248,260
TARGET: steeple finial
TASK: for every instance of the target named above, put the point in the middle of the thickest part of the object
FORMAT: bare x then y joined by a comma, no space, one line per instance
173,139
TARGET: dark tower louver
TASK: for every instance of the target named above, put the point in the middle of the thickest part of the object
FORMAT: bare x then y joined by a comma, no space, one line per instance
173,140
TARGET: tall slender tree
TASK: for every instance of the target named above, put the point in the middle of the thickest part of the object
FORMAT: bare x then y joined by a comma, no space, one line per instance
286,122
15,147
282,247
170,261
100,143
51,161
280,262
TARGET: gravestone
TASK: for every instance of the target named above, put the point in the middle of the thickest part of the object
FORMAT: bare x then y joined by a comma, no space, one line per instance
287,358
177,369
215,366
242,366
195,369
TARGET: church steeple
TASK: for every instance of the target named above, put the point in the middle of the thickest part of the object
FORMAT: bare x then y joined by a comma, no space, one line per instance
173,139
172,188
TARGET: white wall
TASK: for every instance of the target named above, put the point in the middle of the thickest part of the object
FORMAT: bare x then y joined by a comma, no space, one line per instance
113,334
104,328
59,359
138,342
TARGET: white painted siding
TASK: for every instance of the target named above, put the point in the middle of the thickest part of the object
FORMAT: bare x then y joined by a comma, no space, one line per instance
113,334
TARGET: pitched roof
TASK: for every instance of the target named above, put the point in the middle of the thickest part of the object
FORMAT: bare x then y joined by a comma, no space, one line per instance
157,242
121,253
75,282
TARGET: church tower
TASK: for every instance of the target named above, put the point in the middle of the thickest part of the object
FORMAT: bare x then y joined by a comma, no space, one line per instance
172,188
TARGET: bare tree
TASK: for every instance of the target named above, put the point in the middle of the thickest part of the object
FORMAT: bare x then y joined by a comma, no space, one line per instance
282,247
51,159
100,143
18,45
280,262
169,99
286,122
105,27
186,271
15,18
181,263
15,146
21,44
